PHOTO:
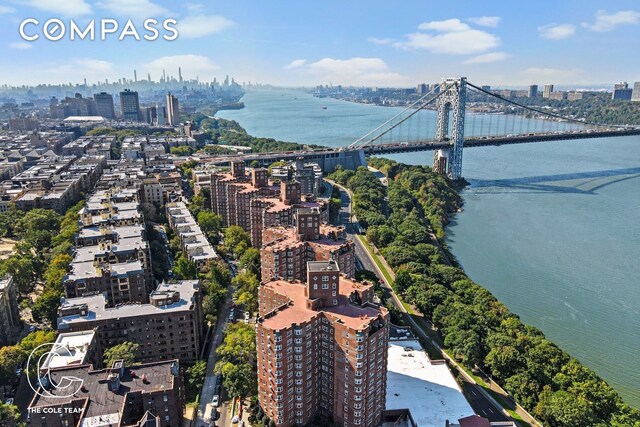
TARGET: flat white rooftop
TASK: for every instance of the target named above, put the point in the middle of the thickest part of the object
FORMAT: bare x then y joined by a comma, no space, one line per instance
429,391
72,349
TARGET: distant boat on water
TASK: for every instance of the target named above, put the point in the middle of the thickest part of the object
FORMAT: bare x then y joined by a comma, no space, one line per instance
324,108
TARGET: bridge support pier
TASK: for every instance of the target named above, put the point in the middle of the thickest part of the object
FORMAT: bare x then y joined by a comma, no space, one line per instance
452,103
440,161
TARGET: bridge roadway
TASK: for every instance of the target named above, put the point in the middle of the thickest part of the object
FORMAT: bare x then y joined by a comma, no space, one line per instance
485,141
351,158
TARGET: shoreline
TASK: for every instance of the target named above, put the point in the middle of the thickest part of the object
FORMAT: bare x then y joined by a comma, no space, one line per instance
533,356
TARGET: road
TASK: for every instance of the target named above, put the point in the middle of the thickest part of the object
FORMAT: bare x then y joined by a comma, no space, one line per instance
481,404
209,387
478,399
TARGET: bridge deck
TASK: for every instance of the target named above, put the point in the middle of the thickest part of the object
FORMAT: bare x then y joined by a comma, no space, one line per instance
322,155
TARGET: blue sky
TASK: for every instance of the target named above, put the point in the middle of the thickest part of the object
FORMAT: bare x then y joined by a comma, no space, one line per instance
385,43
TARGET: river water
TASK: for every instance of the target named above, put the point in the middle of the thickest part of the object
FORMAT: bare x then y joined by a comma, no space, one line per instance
552,229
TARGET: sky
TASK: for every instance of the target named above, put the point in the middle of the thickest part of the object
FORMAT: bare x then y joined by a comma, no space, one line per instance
355,42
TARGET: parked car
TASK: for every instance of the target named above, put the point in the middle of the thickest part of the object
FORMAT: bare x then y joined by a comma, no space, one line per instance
32,328
18,372
247,316
9,401
215,401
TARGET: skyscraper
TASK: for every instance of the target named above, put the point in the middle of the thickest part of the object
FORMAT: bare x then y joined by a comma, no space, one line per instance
547,91
130,106
161,115
173,110
533,91
636,92
104,105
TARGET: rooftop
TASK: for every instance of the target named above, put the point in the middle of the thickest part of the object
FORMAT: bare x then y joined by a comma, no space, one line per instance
103,407
355,316
71,349
97,305
427,389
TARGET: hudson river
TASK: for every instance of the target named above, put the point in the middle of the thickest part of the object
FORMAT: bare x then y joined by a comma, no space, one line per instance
552,229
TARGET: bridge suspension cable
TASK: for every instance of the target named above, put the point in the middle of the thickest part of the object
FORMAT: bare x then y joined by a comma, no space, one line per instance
543,113
431,98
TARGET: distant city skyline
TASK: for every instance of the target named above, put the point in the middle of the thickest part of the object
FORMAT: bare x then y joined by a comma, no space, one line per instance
570,43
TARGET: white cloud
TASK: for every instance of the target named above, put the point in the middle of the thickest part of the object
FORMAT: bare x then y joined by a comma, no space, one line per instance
6,9
451,37
79,68
553,75
194,8
20,45
203,25
354,71
63,7
487,57
609,21
378,41
486,21
455,43
192,65
133,8
445,26
295,64
557,31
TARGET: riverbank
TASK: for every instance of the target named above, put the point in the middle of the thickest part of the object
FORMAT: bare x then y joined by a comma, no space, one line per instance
560,215
476,328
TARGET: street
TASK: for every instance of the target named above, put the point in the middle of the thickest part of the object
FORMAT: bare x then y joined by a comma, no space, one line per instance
209,387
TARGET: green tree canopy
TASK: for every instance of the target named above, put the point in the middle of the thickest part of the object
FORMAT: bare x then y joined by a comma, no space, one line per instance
126,351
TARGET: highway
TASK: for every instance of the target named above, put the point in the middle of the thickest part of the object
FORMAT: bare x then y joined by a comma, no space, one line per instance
477,398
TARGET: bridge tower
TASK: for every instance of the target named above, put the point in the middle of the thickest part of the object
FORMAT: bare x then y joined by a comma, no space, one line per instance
451,103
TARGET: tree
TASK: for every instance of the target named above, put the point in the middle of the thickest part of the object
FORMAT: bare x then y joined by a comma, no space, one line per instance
185,269
210,224
21,268
37,227
183,150
46,306
254,164
246,285
9,415
126,351
563,409
56,270
236,240
238,345
11,356
195,376
36,339
403,280
239,380
250,261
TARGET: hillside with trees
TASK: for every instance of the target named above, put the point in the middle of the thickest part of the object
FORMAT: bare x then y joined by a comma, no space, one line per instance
476,328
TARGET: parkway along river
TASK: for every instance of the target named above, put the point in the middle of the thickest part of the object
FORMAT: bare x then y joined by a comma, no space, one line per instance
552,229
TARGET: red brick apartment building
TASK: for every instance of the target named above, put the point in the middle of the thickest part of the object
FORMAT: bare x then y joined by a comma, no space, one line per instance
252,202
286,250
148,394
321,349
